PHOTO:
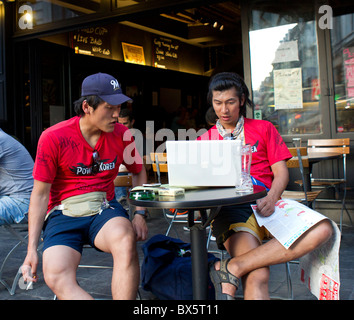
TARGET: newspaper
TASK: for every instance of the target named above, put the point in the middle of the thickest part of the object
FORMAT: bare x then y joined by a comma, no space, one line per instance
319,269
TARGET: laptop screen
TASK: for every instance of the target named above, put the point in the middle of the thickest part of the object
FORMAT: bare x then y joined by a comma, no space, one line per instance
203,163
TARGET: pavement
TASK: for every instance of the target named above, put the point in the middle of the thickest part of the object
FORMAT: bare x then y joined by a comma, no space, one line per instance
97,281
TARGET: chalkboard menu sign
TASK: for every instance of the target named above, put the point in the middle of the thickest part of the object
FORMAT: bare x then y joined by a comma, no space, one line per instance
165,53
93,41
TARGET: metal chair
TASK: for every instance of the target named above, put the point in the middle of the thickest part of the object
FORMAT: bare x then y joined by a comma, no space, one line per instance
337,146
300,160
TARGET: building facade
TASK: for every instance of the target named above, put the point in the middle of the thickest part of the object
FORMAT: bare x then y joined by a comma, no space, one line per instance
297,57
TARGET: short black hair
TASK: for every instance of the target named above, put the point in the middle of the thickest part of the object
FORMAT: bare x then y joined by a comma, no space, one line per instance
226,80
126,112
93,102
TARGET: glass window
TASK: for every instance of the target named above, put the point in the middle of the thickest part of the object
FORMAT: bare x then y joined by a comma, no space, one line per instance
36,12
285,73
342,40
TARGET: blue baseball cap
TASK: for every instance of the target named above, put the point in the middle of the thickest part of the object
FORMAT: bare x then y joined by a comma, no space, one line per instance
105,86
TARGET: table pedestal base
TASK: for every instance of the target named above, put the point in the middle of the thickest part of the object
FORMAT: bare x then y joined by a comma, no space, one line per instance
200,268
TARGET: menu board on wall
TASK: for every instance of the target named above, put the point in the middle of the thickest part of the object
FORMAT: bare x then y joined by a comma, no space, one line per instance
165,53
92,41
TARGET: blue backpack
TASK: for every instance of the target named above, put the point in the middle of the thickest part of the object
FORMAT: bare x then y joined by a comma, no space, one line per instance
167,269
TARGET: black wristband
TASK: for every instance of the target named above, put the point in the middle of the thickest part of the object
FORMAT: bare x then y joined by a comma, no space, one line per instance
141,212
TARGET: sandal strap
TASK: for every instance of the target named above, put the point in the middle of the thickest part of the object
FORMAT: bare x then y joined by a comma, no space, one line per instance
226,275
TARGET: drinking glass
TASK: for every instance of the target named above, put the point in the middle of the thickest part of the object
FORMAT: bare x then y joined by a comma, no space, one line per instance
244,183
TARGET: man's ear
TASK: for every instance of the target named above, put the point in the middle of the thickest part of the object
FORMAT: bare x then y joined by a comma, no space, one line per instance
243,99
85,107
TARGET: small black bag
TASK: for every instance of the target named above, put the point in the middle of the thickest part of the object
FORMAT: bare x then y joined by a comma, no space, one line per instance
167,269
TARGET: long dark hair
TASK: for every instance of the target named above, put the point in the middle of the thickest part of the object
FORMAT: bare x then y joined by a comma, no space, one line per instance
225,81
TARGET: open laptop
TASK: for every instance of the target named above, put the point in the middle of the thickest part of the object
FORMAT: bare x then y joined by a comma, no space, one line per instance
203,163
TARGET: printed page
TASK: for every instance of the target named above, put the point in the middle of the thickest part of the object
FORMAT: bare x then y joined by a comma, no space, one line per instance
319,269
289,221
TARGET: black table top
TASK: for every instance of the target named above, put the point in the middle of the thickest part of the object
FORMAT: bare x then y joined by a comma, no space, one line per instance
202,198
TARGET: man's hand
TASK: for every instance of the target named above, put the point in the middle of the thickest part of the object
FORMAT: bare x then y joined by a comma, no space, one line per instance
266,206
29,267
140,227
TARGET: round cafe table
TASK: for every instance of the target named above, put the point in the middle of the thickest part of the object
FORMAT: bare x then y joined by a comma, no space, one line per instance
201,199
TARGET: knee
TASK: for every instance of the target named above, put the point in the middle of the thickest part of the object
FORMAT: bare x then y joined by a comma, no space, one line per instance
125,247
256,284
258,277
53,276
325,230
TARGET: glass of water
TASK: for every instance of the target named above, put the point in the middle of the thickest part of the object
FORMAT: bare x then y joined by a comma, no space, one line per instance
245,181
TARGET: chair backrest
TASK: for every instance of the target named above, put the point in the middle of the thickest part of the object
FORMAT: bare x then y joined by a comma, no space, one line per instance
160,159
294,162
124,180
341,146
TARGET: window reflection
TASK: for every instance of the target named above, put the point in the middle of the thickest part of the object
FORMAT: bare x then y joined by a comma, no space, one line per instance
284,69
342,39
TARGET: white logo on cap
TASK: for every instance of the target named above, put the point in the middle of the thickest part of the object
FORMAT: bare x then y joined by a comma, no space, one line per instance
115,84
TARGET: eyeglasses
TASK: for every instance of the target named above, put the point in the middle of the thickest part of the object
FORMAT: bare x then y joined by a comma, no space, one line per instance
95,162
229,136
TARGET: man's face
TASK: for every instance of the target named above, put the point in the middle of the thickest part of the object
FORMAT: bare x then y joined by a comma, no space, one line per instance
227,107
125,122
105,116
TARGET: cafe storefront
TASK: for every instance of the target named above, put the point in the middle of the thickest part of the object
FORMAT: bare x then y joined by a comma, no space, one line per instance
297,57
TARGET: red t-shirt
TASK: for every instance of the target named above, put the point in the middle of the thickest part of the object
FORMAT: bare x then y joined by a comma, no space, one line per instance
64,159
268,147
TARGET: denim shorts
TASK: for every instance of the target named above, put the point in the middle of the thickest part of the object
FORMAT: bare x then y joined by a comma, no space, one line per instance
75,232
12,210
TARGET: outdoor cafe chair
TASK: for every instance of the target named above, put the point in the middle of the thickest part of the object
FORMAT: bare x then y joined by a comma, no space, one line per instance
300,161
339,175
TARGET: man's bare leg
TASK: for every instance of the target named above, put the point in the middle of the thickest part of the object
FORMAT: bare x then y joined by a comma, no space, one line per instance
255,283
118,238
59,268
273,252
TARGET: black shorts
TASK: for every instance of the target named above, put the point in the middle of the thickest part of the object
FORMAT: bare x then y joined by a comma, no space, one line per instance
75,232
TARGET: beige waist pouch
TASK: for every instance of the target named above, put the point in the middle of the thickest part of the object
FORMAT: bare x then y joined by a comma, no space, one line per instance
83,205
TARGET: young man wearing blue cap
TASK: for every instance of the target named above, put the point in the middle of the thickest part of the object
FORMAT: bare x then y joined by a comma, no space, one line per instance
73,198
